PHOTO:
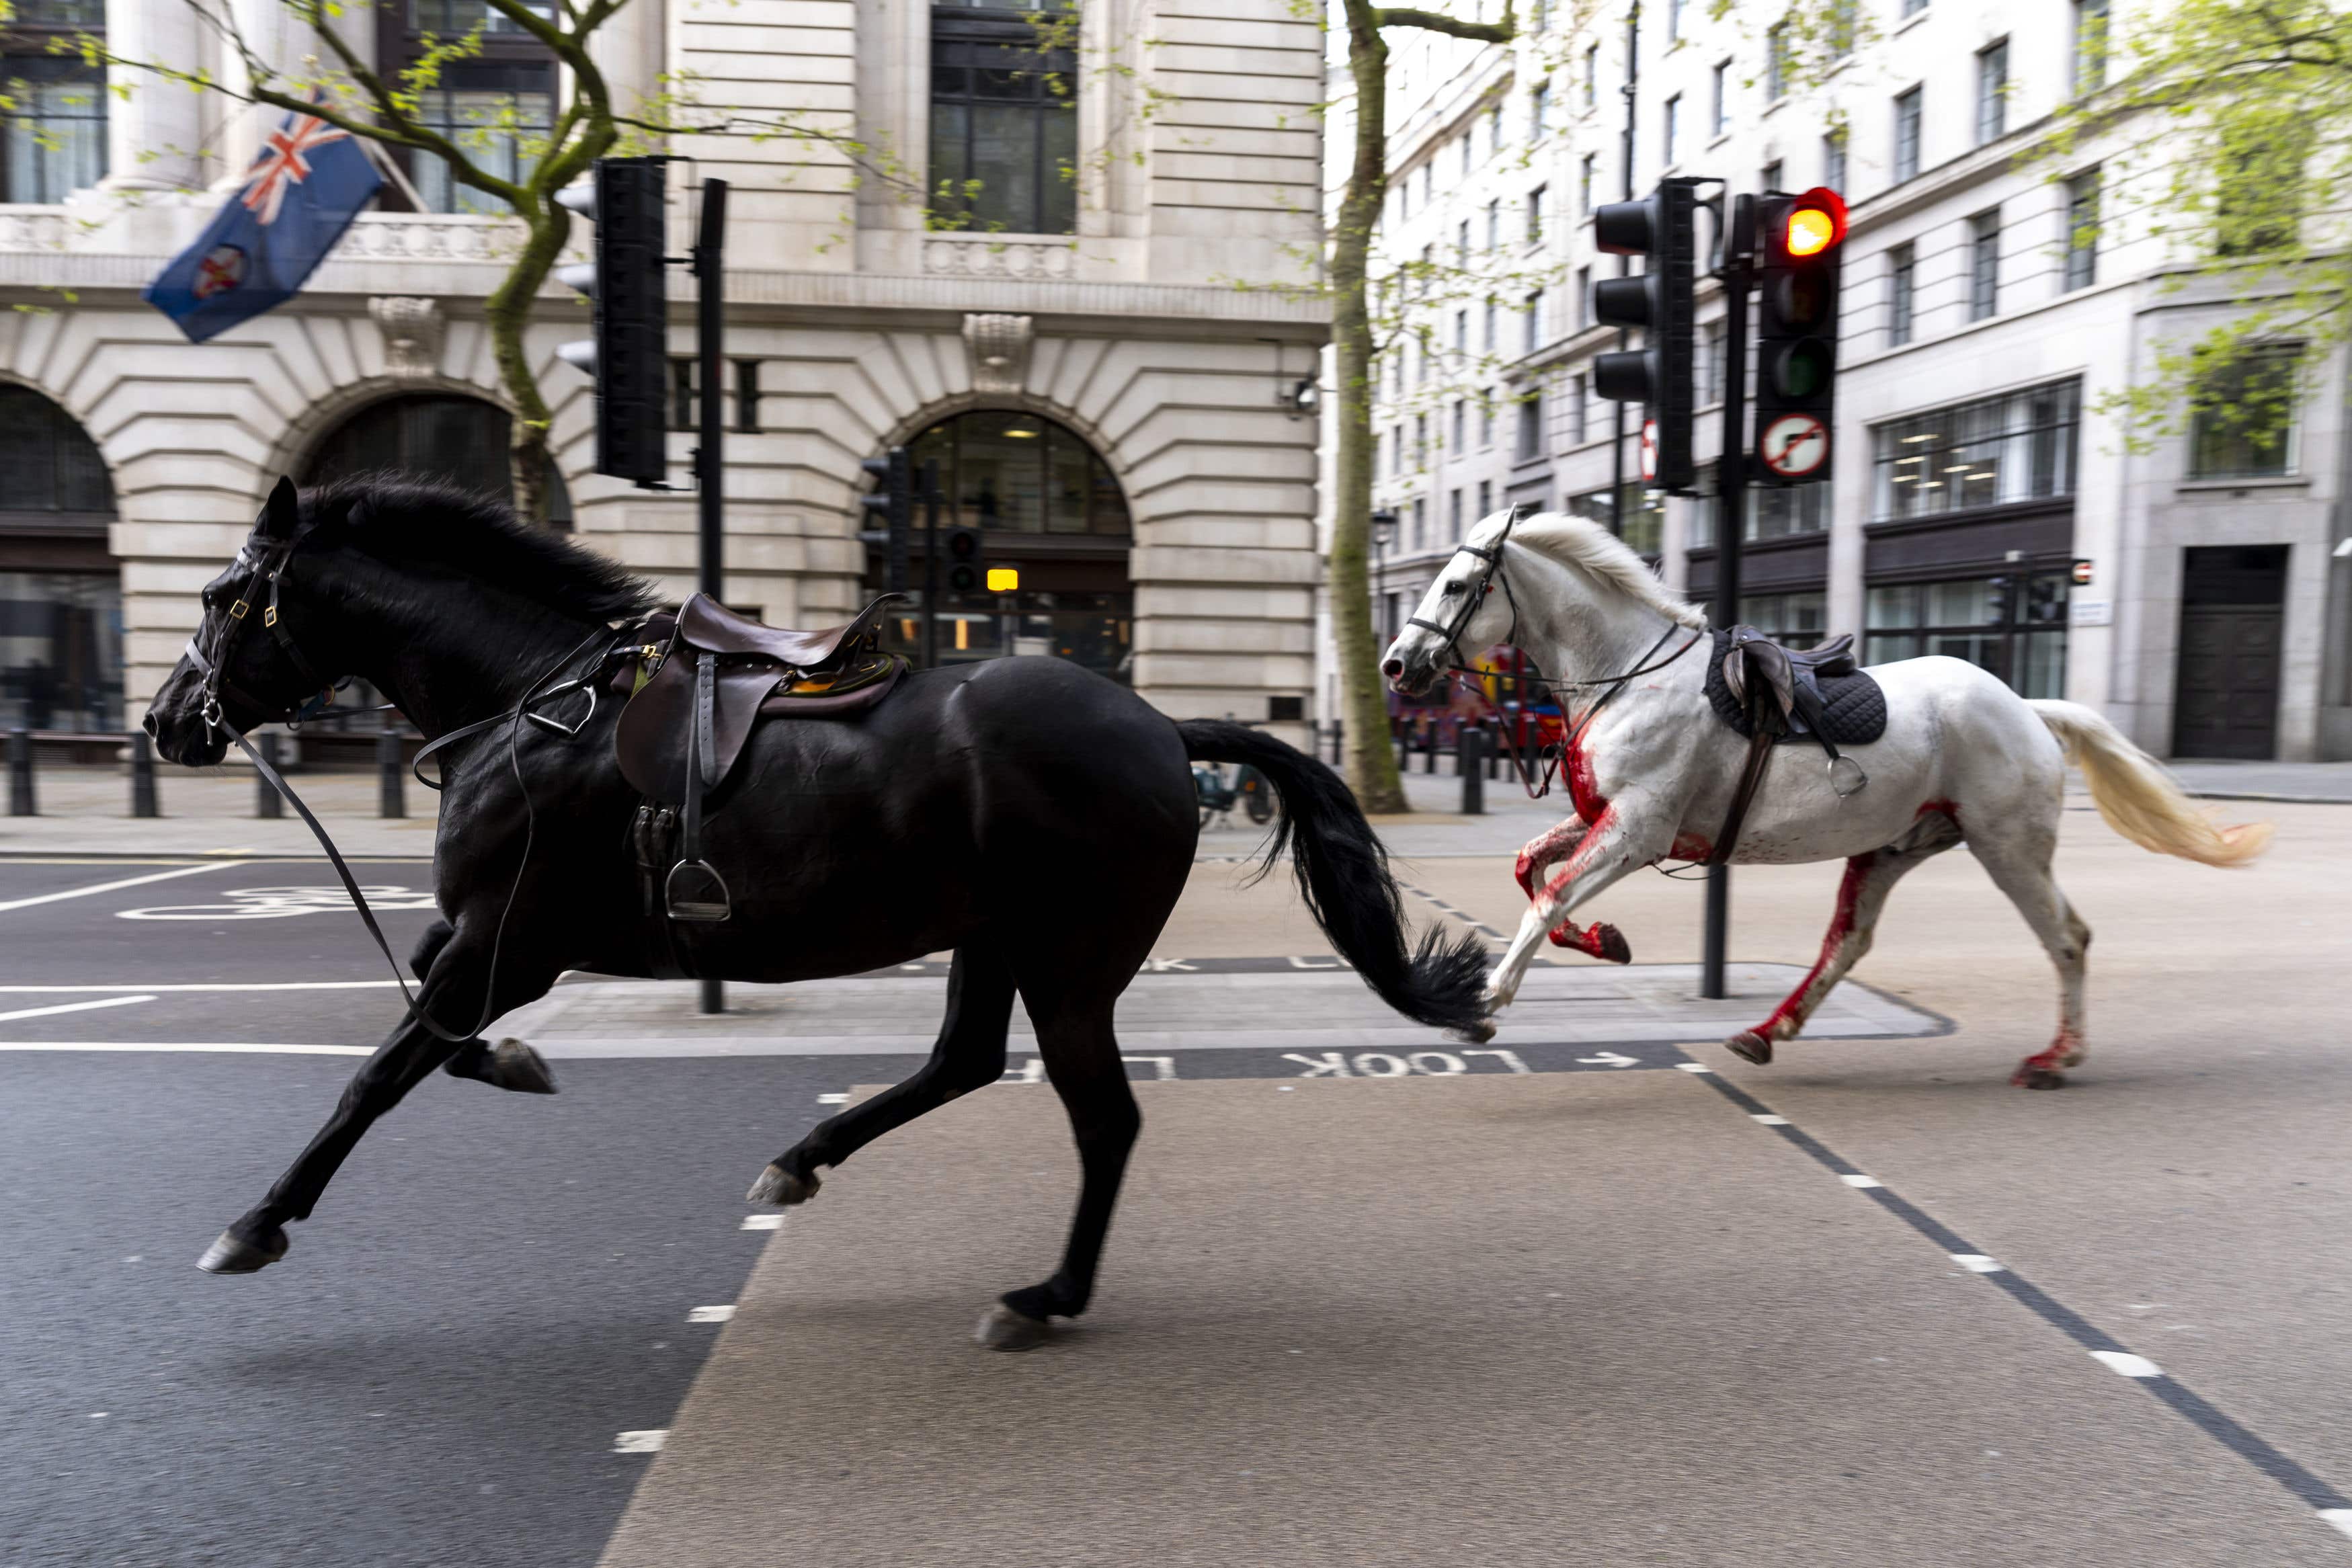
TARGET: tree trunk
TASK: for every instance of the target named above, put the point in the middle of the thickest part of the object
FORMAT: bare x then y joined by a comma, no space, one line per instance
1371,760
509,310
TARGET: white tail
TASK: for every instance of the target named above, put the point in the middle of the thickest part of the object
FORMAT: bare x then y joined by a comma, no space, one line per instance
2139,798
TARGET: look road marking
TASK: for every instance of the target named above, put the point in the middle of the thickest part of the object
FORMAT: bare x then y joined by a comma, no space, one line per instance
73,1007
107,886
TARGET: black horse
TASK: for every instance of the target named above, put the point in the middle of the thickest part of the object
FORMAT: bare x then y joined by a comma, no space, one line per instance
1035,818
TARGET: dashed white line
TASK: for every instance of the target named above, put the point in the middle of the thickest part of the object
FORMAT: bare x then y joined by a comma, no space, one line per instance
258,985
1694,1067
105,887
710,1314
2341,1518
1768,1120
73,1007
1976,1263
1857,1180
2128,1364
763,1222
199,1045
841,1099
648,1442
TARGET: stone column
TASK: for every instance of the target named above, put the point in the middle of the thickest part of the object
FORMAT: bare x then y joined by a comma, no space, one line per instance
294,55
632,49
155,136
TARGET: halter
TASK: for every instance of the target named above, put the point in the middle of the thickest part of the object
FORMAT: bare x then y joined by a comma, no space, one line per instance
266,560
1487,580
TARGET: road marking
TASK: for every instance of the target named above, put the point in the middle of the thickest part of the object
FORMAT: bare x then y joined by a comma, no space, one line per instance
839,1099
2331,1505
1976,1262
235,1047
2125,1362
73,1007
1856,1180
1694,1067
260,986
710,1314
648,1442
1610,1059
763,1222
105,887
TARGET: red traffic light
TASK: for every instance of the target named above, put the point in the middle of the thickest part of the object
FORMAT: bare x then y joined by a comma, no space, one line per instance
1815,224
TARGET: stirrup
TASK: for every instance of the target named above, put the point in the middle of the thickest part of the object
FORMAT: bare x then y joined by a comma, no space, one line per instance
703,898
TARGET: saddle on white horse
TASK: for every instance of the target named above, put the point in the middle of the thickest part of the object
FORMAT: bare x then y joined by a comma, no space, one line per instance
1772,695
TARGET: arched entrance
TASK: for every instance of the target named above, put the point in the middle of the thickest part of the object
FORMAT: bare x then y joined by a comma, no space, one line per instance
1047,505
448,435
60,591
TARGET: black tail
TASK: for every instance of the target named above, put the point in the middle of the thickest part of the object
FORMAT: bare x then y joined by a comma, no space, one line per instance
1343,875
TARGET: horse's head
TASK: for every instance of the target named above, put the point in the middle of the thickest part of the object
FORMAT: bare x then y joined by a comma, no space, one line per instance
242,667
1462,613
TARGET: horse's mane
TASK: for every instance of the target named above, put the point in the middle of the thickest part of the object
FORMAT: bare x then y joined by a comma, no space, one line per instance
1579,542
419,519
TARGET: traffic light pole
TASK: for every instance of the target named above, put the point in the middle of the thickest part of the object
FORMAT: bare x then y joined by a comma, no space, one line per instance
1624,270
1731,521
710,456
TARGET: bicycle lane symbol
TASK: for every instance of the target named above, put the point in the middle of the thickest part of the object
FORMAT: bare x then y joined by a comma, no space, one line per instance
280,903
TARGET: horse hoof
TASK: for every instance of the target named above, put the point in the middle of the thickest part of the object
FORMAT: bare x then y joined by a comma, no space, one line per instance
2038,1078
780,1186
1749,1046
1001,1328
515,1066
1609,945
232,1254
1477,1033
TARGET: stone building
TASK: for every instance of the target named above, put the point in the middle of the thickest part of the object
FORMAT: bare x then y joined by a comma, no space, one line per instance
2200,592
1090,338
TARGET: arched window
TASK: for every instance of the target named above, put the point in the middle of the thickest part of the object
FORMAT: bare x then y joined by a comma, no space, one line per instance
463,439
60,596
1050,508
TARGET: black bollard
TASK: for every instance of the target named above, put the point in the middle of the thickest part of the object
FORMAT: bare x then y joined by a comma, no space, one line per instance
1428,750
266,800
1338,742
20,774
1467,747
142,775
391,800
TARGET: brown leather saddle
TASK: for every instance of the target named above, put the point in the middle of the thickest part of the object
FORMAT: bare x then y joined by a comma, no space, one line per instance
1770,694
706,678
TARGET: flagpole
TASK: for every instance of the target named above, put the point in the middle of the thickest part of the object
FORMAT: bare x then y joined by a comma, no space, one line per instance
381,156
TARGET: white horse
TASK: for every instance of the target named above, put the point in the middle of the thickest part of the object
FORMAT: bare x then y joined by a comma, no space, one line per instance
1651,769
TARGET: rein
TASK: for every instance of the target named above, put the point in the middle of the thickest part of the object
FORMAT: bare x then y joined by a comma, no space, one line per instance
214,667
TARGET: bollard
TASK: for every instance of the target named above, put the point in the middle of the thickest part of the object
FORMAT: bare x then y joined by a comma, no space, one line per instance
1428,750
391,798
1338,742
1468,747
20,774
266,800
142,775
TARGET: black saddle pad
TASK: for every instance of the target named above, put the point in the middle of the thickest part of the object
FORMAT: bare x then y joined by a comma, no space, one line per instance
1854,708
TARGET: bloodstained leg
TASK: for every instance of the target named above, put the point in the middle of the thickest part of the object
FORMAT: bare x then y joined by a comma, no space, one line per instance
1607,852
1869,878
1601,941
2023,871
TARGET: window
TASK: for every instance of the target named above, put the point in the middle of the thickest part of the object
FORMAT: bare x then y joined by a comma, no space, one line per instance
1674,21
1530,446
1772,512
53,140
1993,92
1540,111
1984,264
1768,177
1913,7
1644,508
1467,161
1461,425
1005,126
1486,497
1420,440
1535,315
1719,114
1535,215
1461,332
2088,68
1843,28
1486,426
1420,522
1538,15
498,105
1577,412
1591,78
1833,161
2082,230
1584,187
1454,513
1583,298
2244,424
681,395
55,478
2018,446
1674,129
2013,625
1795,620
1493,313
1495,223
1776,62
2260,208
1901,266
1495,127
1906,136
1461,244
1396,451
1429,182
462,439
1710,366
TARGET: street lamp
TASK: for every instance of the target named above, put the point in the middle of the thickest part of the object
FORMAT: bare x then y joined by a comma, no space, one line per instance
1384,527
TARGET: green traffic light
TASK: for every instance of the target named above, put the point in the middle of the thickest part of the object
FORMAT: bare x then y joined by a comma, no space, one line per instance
1802,368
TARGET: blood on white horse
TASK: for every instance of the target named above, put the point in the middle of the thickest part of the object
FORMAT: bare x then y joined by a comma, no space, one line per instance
1651,771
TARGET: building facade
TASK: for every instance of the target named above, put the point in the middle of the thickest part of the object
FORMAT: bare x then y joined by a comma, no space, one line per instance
1050,258
2195,587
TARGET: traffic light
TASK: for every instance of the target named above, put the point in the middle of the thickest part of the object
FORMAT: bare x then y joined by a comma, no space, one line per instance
1664,228
893,499
627,283
967,551
1796,335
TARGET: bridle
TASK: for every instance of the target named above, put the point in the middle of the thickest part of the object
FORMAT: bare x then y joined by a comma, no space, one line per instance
266,560
1492,577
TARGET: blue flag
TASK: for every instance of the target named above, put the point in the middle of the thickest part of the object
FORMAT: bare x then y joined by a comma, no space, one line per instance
309,182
